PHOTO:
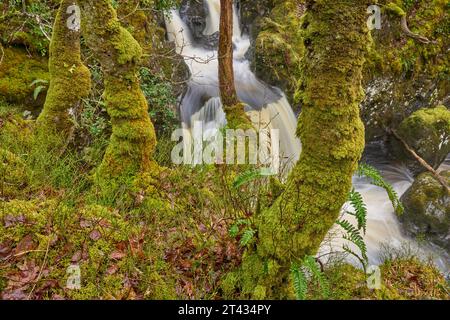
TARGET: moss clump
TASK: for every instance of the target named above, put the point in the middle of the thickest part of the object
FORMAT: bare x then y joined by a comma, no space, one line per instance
70,79
17,72
411,279
395,9
13,173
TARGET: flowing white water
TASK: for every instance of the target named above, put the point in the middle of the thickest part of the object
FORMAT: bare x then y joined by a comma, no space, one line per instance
383,227
268,107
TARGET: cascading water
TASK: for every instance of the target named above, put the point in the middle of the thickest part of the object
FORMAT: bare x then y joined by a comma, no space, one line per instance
268,107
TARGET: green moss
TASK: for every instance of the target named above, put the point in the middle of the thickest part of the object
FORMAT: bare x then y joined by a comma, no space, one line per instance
127,47
70,79
279,48
13,173
18,70
133,139
395,9
427,132
332,136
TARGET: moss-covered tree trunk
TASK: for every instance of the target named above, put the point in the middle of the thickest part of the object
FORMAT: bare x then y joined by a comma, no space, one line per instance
234,110
133,139
69,78
332,134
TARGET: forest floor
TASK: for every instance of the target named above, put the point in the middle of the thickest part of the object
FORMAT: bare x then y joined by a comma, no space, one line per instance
176,245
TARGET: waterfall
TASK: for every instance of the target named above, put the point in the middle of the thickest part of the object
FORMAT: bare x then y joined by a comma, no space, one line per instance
267,106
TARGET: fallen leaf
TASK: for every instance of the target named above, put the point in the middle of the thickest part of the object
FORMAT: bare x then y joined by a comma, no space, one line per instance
95,235
117,255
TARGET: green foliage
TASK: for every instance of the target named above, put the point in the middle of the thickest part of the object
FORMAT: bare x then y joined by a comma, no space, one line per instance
300,282
377,180
251,175
161,101
360,207
408,4
353,235
38,88
308,272
244,228
93,119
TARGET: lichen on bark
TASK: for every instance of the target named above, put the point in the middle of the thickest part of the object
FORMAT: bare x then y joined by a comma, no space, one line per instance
130,150
332,133
69,77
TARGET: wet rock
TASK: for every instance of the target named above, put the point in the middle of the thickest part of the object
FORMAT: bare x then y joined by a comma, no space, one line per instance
427,132
427,210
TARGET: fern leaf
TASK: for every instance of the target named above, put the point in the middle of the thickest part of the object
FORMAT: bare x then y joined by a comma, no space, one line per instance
251,175
317,274
38,81
247,237
360,207
377,180
299,281
37,91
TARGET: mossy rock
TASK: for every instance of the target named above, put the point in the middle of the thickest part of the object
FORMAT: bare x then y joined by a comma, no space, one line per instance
17,72
279,48
427,210
427,132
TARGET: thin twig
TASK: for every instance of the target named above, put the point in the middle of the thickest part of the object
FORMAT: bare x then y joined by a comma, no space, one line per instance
41,270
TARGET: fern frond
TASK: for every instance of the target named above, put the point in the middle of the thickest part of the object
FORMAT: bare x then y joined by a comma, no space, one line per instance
360,207
311,264
247,237
251,175
351,252
377,180
353,235
300,282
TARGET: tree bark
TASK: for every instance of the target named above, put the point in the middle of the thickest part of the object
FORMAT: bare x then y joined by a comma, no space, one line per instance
332,135
234,110
130,151
69,78
226,71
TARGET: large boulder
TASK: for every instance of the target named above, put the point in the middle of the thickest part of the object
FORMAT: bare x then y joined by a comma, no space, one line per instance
427,132
427,210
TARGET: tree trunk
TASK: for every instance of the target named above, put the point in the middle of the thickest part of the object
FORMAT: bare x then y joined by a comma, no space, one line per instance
332,134
69,78
133,139
234,110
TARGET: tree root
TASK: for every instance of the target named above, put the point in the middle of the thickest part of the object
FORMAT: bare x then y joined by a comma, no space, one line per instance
409,33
